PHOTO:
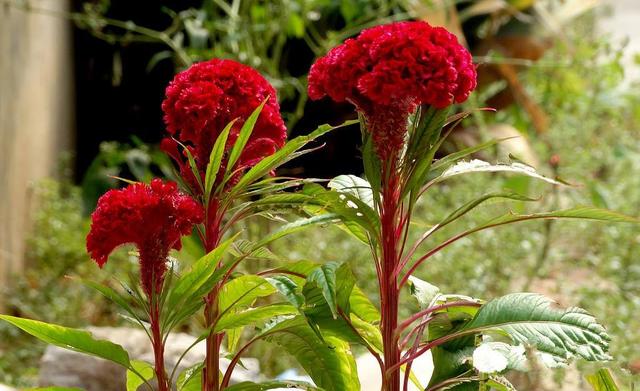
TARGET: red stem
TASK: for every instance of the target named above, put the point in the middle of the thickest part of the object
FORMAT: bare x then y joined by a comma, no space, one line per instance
234,362
430,310
425,348
391,228
158,346
211,371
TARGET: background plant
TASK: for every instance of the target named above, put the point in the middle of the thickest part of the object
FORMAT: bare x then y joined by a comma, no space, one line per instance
591,103
379,213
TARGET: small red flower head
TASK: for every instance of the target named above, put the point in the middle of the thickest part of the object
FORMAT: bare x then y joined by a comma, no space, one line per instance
203,99
153,217
388,70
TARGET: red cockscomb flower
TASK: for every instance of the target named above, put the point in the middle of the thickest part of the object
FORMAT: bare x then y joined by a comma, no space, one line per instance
203,99
388,70
153,217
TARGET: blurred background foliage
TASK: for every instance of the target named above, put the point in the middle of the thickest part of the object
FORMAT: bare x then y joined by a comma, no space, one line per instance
556,81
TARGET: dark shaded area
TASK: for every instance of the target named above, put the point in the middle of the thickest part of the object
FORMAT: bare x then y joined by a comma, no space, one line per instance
116,95
119,96
340,148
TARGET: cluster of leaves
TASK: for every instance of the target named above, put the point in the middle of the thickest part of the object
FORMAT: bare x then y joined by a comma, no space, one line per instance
308,296
593,124
54,251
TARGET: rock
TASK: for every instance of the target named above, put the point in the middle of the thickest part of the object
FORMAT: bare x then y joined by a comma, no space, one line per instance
369,371
64,368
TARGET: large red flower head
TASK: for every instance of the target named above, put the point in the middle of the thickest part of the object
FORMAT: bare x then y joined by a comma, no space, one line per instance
203,99
388,70
153,217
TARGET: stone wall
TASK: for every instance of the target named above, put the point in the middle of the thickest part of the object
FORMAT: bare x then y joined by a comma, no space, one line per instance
36,103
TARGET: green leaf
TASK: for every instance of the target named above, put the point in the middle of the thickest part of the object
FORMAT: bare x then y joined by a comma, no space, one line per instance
356,186
251,386
324,278
190,378
295,26
110,294
602,381
244,135
283,155
192,165
361,306
288,288
424,292
143,369
253,315
249,248
296,226
185,296
579,212
448,364
233,338
358,217
368,332
215,158
453,157
499,383
331,365
237,294
530,319
464,209
476,165
424,134
243,291
372,165
72,339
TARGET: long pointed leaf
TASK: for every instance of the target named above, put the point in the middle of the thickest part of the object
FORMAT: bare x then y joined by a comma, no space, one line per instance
73,339
602,381
482,166
253,315
251,386
215,159
243,136
281,156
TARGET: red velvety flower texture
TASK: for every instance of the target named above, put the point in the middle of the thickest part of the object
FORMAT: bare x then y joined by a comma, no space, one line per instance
153,217
390,69
203,99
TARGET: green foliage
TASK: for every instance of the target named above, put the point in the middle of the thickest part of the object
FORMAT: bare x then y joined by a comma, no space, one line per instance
592,131
529,319
250,386
122,160
329,362
602,381
55,249
144,373
77,340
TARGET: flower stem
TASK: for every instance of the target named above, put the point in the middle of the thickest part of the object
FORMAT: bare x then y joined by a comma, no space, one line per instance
391,236
158,346
211,371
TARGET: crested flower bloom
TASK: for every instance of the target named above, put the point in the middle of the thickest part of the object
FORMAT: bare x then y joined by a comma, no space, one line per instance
203,99
388,70
152,217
